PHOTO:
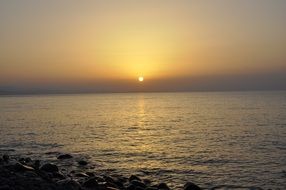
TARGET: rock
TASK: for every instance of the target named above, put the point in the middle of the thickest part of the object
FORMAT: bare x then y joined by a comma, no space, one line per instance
111,188
90,183
163,186
50,168
137,183
18,167
81,175
1,160
68,184
108,179
28,160
64,156
191,186
58,175
147,181
82,163
6,158
37,164
31,174
99,179
131,187
134,177
90,174
5,187
151,188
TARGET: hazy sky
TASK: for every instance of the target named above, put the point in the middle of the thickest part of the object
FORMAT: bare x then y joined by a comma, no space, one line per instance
175,44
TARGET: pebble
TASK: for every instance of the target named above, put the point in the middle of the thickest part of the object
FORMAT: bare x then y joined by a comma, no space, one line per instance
82,162
64,156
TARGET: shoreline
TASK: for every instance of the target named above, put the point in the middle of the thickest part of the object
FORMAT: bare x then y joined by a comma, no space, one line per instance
21,173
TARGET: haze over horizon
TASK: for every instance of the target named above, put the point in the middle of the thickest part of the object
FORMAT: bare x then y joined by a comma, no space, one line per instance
104,46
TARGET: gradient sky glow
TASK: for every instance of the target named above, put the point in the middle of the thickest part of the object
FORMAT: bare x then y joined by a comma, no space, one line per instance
106,45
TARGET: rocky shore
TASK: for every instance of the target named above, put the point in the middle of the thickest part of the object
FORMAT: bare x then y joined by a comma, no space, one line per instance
24,173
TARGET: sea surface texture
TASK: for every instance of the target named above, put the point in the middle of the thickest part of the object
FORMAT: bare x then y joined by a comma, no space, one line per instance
215,138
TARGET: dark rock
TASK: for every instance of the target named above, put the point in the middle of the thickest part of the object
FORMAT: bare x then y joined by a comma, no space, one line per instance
131,187
58,175
31,174
81,175
5,187
109,184
137,183
108,179
6,158
119,184
49,168
90,174
69,184
139,188
82,162
111,188
134,177
163,186
191,186
99,179
151,188
22,160
64,156
28,160
1,160
90,183
18,167
147,181
37,164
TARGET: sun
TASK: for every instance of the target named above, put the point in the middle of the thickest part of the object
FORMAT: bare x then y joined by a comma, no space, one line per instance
141,79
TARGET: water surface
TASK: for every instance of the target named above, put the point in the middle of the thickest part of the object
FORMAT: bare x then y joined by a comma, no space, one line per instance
236,138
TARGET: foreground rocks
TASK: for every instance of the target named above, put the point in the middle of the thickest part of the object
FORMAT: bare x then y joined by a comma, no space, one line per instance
28,174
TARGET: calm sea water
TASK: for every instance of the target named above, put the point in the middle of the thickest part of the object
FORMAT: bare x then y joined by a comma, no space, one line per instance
236,138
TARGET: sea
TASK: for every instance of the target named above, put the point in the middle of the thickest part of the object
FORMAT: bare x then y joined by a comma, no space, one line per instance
209,138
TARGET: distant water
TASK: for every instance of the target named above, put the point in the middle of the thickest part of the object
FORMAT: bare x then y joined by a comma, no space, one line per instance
236,138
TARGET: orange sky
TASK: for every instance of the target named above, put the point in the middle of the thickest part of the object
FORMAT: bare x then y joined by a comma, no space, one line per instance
95,41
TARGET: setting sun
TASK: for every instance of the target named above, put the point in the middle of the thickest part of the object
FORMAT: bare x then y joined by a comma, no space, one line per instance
141,79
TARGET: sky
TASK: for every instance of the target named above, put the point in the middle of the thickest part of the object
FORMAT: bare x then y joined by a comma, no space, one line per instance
177,45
